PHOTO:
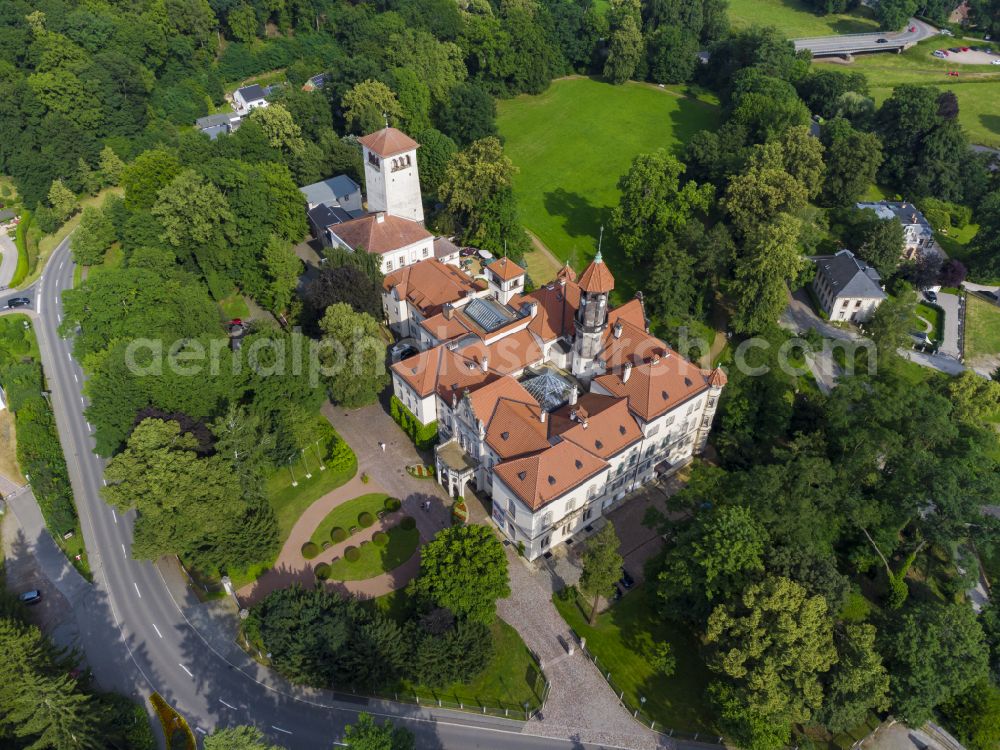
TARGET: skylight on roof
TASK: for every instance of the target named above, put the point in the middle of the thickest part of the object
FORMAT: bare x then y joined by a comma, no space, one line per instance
488,314
549,389
552,479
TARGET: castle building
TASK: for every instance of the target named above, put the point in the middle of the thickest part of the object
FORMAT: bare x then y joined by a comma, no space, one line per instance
553,403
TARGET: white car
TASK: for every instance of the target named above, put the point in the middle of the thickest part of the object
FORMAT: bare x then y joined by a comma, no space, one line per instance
994,62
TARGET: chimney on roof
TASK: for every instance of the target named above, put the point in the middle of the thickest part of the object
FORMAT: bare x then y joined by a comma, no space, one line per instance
532,309
627,372
485,364
454,399
654,359
542,416
380,217
616,331
574,393
913,218
448,311
585,424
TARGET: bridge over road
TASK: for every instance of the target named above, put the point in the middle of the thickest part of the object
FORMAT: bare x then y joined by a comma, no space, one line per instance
844,45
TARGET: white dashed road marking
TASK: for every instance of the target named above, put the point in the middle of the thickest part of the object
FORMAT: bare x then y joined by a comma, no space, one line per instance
279,729
156,629
227,705
137,589
186,670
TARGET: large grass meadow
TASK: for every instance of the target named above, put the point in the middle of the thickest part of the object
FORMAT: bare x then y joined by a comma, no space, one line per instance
796,19
573,142
977,87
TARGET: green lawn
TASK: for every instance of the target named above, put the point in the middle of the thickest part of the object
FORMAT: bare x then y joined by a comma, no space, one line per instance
573,142
982,327
346,515
621,639
934,315
288,501
234,306
511,679
375,560
796,19
977,87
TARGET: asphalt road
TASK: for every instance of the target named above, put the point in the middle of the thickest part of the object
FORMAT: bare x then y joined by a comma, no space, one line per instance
137,639
843,44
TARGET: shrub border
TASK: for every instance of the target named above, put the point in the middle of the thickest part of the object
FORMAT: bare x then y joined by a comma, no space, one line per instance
172,722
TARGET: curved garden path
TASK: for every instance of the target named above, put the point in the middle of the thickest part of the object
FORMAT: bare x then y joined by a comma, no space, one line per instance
362,429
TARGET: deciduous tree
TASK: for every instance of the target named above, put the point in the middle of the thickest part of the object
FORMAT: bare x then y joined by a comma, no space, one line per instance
367,734
602,566
625,46
369,105
769,261
465,570
356,356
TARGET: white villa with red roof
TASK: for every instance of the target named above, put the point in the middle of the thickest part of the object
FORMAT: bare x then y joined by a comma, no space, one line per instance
551,402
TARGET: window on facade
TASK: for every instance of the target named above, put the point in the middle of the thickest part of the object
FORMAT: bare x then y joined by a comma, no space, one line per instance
711,402
547,520
588,513
858,303
654,430
511,507
570,504
388,265
545,540
592,491
670,420
426,252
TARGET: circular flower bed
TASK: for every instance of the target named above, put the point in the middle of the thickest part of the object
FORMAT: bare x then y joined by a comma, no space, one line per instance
351,554
310,550
459,513
322,571
365,519
337,534
408,522
392,504
380,539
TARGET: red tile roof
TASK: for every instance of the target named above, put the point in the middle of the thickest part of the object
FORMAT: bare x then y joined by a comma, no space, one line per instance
656,386
516,428
442,371
546,475
428,285
606,433
388,142
597,277
380,233
505,269
484,399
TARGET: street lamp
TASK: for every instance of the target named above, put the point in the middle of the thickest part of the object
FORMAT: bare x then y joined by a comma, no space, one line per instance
526,704
294,481
308,473
322,466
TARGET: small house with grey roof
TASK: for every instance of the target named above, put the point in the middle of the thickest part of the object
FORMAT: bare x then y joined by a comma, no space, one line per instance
918,235
848,289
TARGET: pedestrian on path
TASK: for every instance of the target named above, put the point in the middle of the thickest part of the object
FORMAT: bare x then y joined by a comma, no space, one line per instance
381,445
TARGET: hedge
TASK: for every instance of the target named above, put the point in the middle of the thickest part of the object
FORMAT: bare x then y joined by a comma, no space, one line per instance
310,550
39,453
365,519
322,571
21,240
175,729
424,437
408,522
392,504
337,534
380,539
351,554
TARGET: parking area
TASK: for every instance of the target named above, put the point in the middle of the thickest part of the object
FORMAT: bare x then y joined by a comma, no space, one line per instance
53,613
967,55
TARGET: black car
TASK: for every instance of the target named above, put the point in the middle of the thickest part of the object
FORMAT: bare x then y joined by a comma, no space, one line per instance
626,581
30,597
881,41
18,302
931,296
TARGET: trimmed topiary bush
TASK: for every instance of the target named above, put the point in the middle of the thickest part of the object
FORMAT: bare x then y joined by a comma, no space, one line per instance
322,571
365,519
337,534
310,550
380,539
392,504
409,522
351,554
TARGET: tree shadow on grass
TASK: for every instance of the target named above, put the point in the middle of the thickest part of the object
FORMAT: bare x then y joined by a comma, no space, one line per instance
991,123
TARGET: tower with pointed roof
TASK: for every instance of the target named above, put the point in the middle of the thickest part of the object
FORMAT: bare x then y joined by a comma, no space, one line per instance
591,322
391,177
